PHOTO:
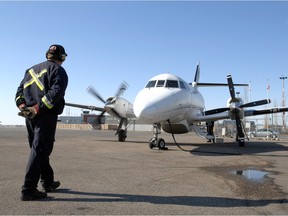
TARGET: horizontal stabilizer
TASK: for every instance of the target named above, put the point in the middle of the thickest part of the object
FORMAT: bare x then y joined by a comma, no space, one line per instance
218,84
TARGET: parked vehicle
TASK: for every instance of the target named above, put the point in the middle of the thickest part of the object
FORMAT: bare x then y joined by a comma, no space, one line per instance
264,133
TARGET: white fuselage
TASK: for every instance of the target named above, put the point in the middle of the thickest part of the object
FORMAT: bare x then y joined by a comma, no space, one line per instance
168,97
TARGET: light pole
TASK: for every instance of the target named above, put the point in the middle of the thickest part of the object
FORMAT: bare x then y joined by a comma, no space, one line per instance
283,103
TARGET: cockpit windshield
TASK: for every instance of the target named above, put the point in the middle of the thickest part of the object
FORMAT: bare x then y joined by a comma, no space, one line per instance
151,84
160,83
165,83
172,84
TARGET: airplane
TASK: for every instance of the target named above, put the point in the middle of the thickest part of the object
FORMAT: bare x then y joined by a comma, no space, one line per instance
177,107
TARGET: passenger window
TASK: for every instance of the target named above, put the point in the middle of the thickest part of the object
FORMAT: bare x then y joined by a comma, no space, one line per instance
151,84
160,83
182,85
172,84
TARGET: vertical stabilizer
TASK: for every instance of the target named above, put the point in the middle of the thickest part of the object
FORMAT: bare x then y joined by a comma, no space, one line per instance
197,75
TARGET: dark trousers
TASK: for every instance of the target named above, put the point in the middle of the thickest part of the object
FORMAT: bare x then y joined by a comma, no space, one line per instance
41,137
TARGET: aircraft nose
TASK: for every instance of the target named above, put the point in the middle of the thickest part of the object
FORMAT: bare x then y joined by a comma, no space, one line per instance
146,112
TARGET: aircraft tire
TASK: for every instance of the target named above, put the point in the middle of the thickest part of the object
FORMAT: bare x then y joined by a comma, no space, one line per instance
151,143
122,136
161,143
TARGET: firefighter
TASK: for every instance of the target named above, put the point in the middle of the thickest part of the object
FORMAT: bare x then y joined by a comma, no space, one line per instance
40,99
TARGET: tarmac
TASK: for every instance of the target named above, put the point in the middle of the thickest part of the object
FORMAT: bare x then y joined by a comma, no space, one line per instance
101,176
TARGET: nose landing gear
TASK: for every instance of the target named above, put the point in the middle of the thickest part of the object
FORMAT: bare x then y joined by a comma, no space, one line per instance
156,142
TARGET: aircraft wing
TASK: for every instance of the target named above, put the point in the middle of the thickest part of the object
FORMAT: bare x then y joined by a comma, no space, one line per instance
101,109
211,115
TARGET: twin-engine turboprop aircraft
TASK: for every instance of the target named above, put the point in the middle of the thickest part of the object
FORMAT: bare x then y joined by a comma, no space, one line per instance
170,103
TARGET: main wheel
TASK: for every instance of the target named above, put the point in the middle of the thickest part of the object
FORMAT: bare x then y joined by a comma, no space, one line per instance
161,143
122,136
152,143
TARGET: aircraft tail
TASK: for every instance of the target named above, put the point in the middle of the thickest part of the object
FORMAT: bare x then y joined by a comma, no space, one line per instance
197,73
197,84
197,76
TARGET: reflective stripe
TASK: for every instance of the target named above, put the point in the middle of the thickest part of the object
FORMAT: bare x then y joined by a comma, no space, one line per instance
47,103
19,97
35,78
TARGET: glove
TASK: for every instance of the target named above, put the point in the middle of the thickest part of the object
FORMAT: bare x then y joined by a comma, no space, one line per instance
29,112
22,106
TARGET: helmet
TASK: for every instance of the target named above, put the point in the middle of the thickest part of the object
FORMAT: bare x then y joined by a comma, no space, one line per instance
56,52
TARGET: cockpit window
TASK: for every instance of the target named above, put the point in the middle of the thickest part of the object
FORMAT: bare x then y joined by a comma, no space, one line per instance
182,85
172,84
160,83
169,84
151,84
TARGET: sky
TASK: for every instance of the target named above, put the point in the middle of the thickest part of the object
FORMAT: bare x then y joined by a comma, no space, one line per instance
112,41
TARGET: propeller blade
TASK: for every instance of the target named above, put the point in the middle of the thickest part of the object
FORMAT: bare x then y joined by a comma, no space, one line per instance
266,111
256,103
123,86
116,114
92,91
98,119
231,88
215,111
101,114
239,126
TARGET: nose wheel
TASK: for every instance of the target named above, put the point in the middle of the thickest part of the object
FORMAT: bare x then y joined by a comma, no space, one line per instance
156,142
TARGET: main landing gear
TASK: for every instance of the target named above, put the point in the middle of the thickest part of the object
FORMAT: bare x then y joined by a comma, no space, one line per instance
122,133
156,142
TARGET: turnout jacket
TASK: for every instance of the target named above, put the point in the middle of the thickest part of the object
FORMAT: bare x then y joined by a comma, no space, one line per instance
43,84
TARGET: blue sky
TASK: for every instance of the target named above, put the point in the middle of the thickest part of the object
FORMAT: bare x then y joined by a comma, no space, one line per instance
111,41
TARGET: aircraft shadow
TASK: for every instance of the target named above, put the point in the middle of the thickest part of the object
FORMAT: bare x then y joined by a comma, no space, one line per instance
232,148
272,148
127,141
170,200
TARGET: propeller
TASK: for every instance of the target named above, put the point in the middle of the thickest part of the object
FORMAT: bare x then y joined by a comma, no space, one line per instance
237,112
123,86
236,109
92,91
250,104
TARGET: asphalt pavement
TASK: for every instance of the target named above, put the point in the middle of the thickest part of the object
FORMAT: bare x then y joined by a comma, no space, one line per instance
101,176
